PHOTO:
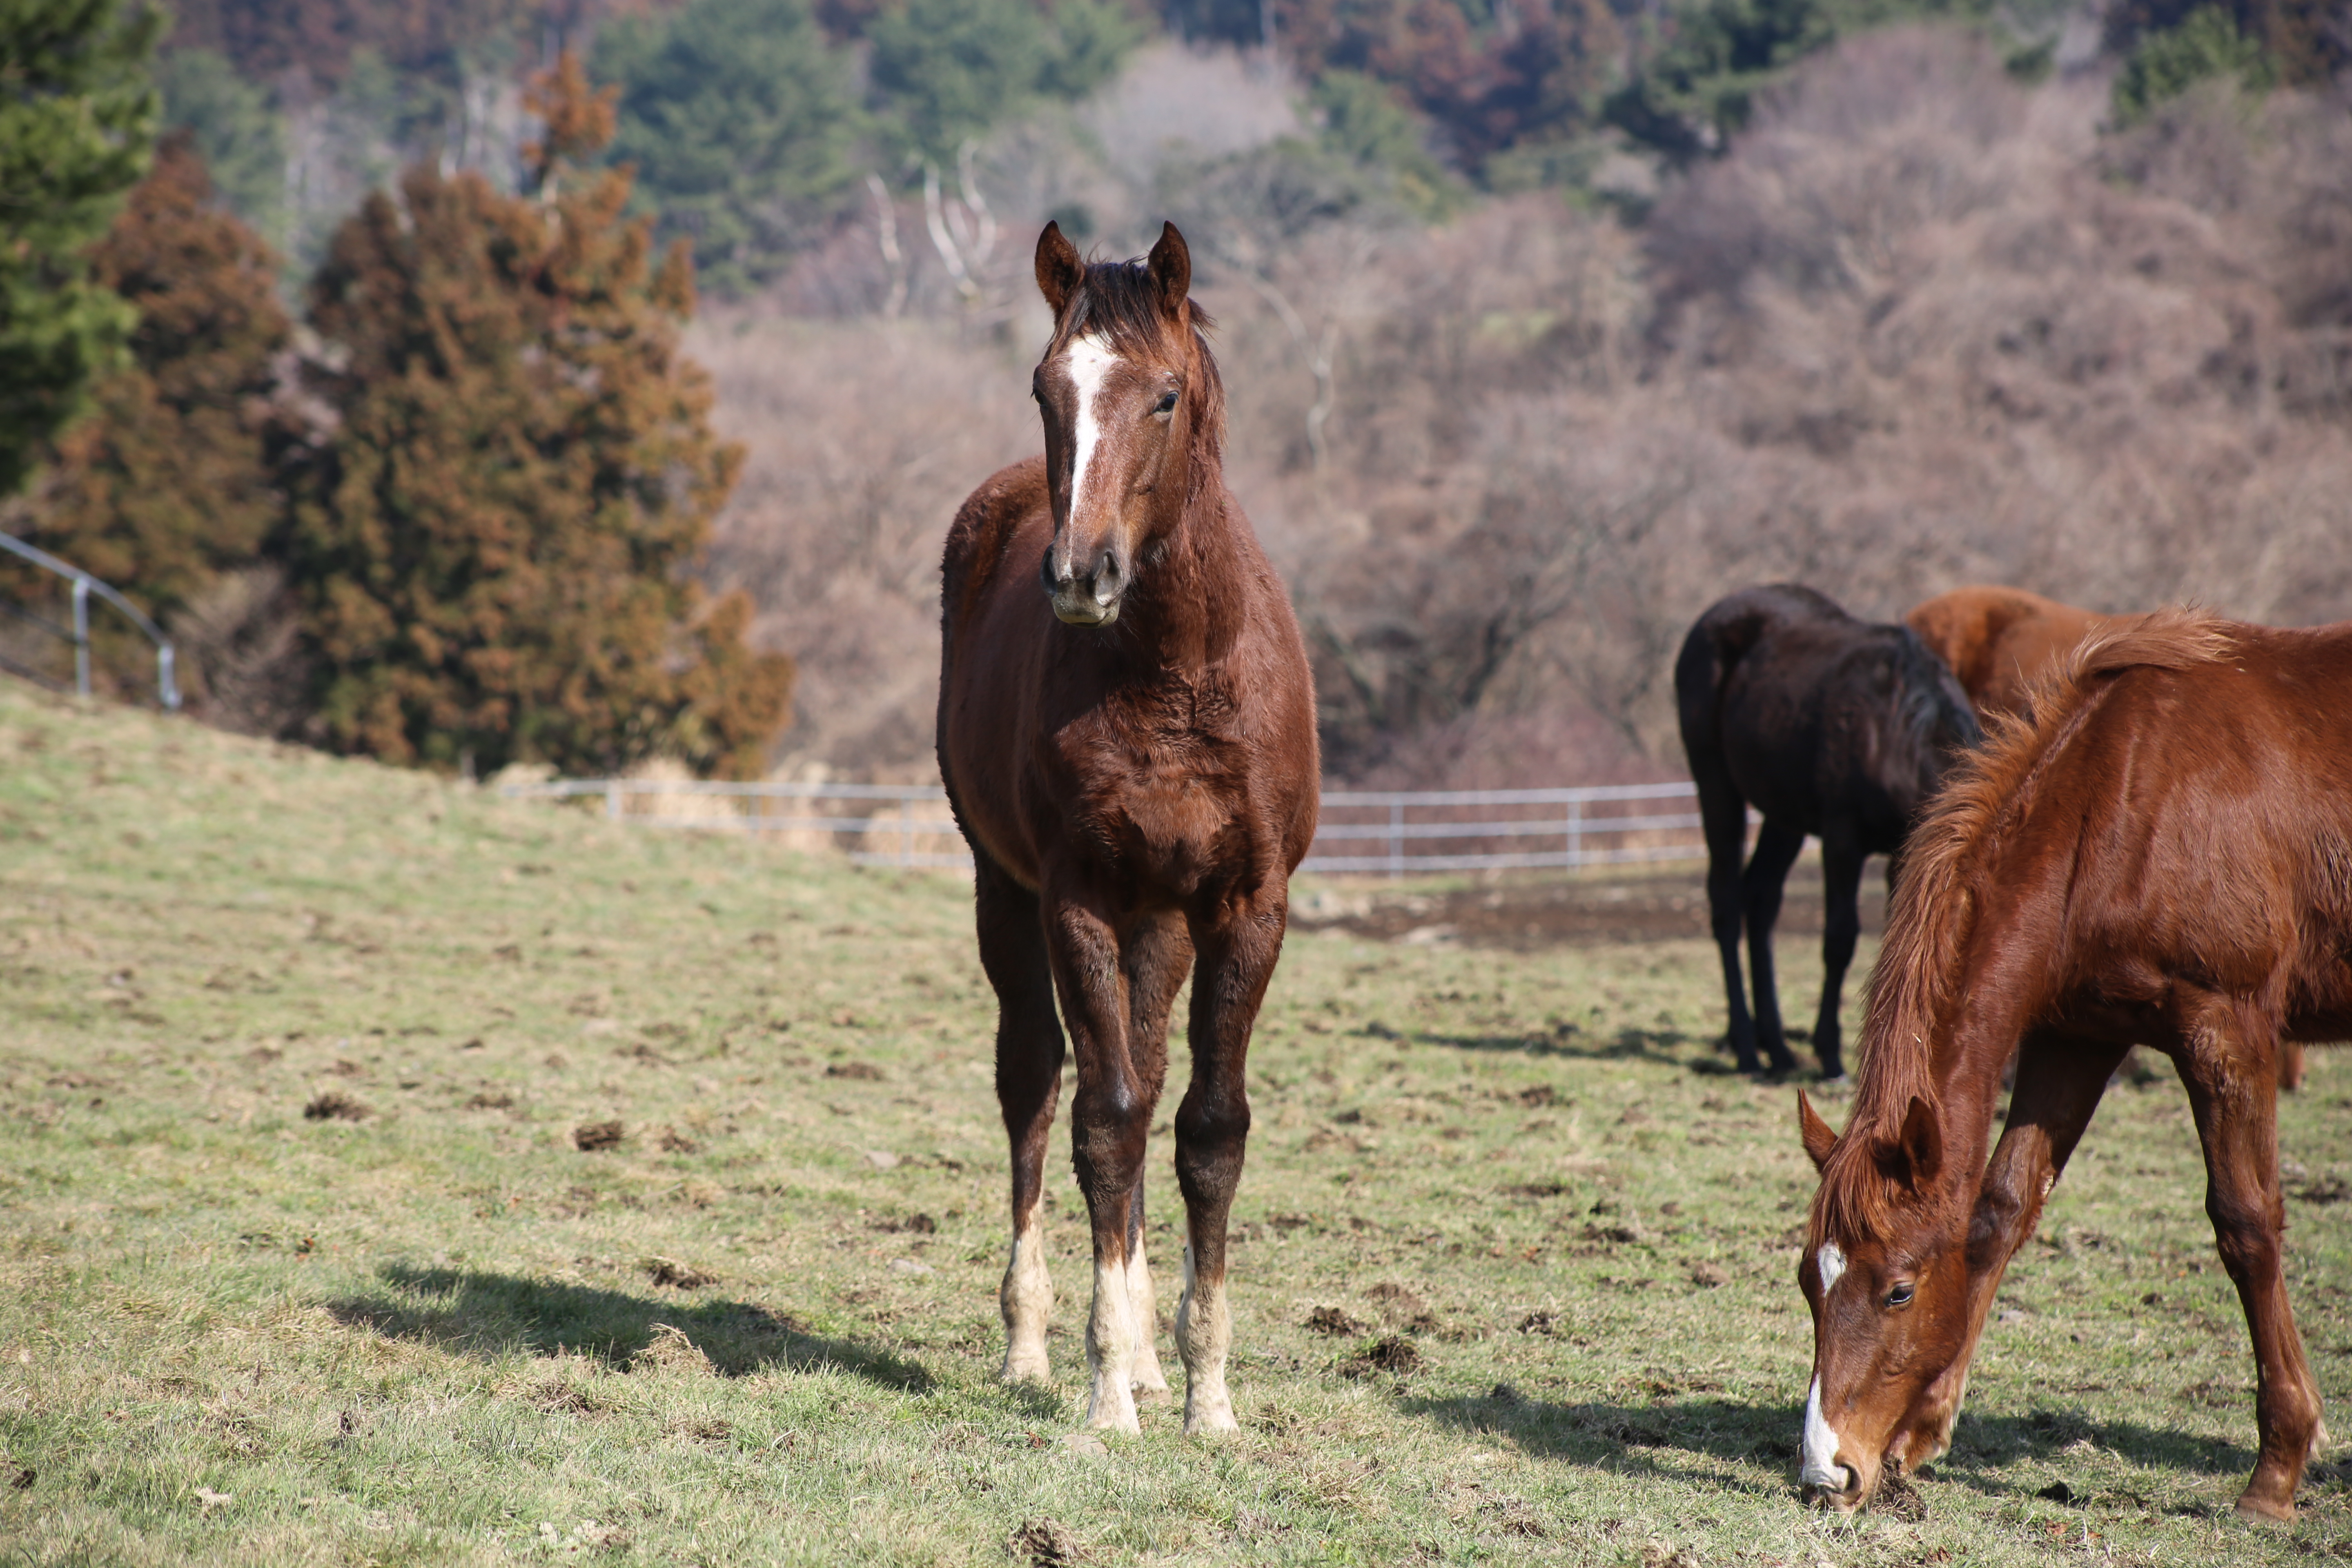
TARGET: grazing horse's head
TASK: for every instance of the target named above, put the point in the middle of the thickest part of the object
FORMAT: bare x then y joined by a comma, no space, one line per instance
1129,392
1885,1271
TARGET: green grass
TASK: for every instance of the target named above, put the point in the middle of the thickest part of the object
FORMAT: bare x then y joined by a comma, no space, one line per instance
438,1333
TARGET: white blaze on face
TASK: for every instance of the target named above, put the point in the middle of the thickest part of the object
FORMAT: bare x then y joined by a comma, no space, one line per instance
1830,1264
1820,1466
1090,366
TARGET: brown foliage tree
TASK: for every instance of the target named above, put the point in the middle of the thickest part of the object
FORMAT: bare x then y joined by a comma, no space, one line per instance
163,485
490,542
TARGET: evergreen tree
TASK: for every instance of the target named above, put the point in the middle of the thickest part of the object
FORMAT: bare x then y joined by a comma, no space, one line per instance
944,71
738,117
164,484
76,118
1695,87
239,135
2164,65
490,544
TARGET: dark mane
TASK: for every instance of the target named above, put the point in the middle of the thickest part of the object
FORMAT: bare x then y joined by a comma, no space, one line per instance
1914,985
1119,302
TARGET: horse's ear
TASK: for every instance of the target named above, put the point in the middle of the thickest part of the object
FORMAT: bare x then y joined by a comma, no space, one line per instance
1917,1152
1171,269
1819,1139
1059,271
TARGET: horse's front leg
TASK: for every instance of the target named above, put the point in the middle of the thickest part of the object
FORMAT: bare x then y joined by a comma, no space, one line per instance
1028,1081
1156,954
1238,942
1110,1115
2059,1081
2232,1088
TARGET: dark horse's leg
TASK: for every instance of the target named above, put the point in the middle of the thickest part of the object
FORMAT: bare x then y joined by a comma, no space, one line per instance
1239,940
1110,1116
1028,1081
1768,872
1156,954
1724,815
1842,860
2060,1078
2228,1061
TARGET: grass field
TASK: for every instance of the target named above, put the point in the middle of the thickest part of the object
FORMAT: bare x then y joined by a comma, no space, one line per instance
1514,1280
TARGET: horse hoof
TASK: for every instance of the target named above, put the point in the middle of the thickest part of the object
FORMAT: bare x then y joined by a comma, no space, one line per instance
2259,1510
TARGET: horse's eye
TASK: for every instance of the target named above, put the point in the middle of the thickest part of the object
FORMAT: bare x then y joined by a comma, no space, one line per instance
1166,404
1900,1296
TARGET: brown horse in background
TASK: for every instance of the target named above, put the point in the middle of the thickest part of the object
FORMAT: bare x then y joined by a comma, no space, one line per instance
2001,642
1827,725
2163,855
1127,732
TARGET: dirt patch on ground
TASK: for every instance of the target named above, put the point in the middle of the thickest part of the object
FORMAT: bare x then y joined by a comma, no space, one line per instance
1525,912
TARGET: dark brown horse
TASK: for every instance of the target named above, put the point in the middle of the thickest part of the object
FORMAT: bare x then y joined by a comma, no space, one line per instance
1827,726
1126,731
2164,856
2002,642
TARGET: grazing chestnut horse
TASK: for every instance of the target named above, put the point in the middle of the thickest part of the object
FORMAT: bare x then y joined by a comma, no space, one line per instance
2001,642
2163,855
1826,725
1127,731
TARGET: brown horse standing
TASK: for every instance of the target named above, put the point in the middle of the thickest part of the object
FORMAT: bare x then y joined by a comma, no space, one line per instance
2001,642
2164,856
1127,731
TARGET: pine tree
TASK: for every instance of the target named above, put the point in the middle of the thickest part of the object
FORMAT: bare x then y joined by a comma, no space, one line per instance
739,118
491,544
164,486
76,120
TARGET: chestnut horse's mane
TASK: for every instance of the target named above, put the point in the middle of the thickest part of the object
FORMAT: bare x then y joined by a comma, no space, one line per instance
1944,862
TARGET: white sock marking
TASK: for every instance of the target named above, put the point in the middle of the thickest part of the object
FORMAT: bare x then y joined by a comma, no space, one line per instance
1090,364
1820,1466
1831,1262
1027,1300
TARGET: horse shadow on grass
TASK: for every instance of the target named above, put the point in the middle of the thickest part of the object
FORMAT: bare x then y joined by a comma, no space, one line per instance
1664,1046
1647,1438
486,1315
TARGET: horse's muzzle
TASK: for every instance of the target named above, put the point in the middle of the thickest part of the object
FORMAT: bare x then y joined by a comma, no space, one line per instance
1087,599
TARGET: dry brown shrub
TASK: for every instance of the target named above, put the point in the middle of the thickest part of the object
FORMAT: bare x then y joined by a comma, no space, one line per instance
863,438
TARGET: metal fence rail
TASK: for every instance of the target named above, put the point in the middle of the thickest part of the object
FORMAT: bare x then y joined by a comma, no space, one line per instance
1483,830
167,686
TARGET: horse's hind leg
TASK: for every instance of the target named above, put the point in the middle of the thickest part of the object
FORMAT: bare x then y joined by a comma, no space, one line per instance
1028,1082
1238,945
1768,872
1841,862
1724,815
1157,954
2232,1088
